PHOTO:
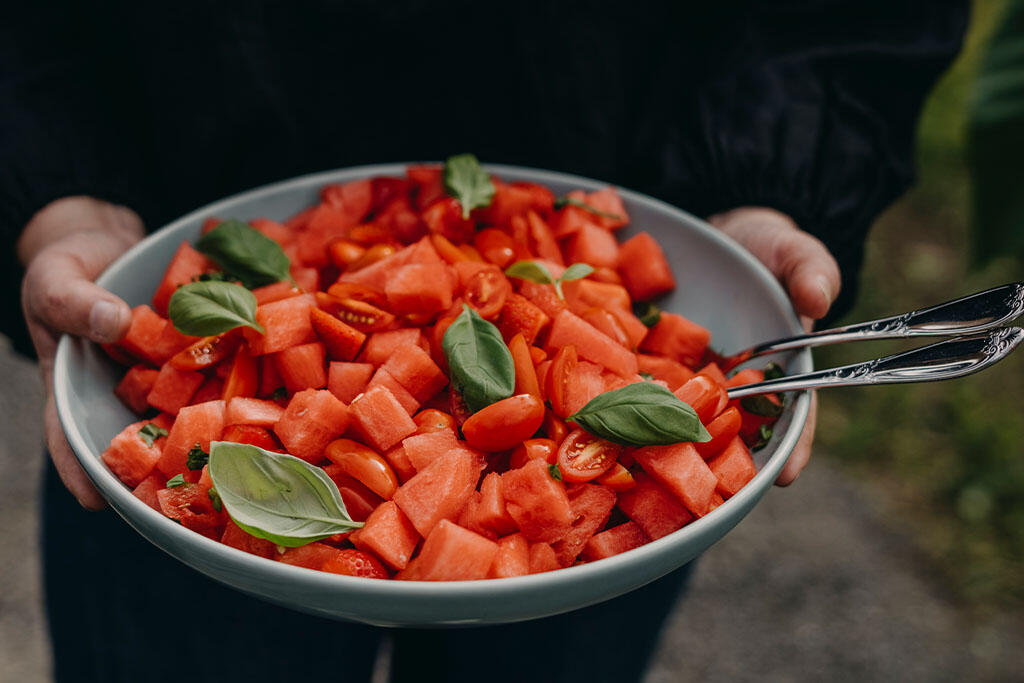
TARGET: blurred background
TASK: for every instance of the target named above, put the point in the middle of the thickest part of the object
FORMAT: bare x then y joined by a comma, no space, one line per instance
898,554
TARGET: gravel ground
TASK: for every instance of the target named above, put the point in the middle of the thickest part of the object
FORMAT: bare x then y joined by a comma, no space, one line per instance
816,584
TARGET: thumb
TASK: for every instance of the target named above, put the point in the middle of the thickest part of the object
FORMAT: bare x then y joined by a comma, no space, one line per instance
800,261
59,293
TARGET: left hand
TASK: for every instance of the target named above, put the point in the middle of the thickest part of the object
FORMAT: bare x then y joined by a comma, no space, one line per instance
808,273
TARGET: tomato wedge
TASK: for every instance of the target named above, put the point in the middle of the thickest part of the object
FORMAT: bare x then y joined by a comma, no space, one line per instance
486,291
364,464
562,368
532,449
361,315
583,456
504,424
433,420
206,352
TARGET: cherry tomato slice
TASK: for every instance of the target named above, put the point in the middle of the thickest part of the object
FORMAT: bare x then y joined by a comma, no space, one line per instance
342,253
206,352
504,424
361,315
618,478
486,291
583,456
562,368
432,420
496,246
365,465
374,253
352,290
532,449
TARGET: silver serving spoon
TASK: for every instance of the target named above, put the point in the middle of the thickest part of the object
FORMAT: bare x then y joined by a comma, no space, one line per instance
973,313
944,360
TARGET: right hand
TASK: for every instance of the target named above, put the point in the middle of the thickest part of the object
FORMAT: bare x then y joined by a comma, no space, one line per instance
64,248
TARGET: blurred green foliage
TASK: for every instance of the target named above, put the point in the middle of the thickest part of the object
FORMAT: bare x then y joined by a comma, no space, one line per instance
948,456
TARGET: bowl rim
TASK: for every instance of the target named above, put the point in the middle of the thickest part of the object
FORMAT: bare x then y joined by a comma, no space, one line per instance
121,498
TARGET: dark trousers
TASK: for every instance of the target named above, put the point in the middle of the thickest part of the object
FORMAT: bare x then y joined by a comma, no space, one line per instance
121,610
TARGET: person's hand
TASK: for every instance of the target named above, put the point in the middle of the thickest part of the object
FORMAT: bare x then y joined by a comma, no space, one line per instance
808,273
64,248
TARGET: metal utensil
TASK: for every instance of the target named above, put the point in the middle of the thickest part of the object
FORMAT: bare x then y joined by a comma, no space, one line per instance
946,359
974,313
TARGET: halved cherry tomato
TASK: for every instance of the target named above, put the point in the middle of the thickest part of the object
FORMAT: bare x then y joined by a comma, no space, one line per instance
374,253
532,449
617,478
504,424
448,251
365,465
562,368
362,316
555,428
343,252
243,378
206,352
486,291
583,456
433,420
526,373
495,246
352,290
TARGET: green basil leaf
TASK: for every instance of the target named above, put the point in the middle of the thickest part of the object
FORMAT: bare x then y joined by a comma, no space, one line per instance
640,414
214,497
647,376
764,435
247,254
215,276
555,472
532,271
761,405
562,202
176,481
649,314
196,458
203,309
277,496
481,364
773,371
150,433
576,271
465,180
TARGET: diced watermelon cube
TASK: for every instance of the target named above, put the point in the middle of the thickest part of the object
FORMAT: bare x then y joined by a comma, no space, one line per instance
650,505
415,370
542,558
236,538
129,457
440,490
683,472
451,553
591,506
258,412
381,419
733,467
538,503
312,420
135,386
302,366
348,380
389,535
200,423
616,540
285,322
423,449
512,558
384,378
173,388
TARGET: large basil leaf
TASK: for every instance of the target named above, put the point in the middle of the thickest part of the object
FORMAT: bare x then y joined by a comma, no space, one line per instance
641,414
203,309
481,365
465,180
247,254
277,496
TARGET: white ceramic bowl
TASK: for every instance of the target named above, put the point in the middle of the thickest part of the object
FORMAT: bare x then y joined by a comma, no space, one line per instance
719,285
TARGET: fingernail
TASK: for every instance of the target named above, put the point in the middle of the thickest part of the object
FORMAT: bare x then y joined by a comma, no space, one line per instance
103,322
826,289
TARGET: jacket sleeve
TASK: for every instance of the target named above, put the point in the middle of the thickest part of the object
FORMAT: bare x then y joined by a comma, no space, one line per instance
54,130
813,113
